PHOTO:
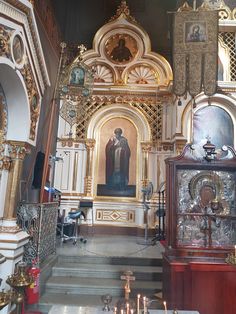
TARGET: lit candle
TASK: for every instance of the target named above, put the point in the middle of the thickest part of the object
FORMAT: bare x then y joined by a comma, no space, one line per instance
115,310
235,250
144,305
165,307
121,311
138,300
127,307
131,311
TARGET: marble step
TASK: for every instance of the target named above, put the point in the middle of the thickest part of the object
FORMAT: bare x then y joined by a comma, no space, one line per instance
98,286
48,300
110,260
152,273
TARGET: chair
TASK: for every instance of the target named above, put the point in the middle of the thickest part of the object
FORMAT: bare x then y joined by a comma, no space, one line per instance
76,215
64,229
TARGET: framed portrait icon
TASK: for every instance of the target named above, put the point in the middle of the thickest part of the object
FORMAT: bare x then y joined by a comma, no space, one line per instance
117,159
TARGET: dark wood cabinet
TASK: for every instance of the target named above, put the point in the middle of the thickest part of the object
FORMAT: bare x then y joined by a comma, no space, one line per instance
207,287
201,232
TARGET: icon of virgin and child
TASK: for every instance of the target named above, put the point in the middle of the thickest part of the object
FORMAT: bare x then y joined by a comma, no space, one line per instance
117,161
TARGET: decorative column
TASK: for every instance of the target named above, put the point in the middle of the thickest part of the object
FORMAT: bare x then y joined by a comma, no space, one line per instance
89,144
146,148
17,152
12,237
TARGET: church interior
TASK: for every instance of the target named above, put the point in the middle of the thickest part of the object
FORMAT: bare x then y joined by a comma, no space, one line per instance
117,156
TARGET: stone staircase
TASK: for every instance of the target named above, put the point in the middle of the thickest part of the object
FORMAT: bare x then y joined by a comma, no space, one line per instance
82,280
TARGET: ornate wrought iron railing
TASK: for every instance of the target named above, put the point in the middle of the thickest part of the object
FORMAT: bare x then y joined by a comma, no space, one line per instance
40,222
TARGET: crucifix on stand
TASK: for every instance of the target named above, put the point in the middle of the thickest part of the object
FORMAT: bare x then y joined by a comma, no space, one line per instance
128,277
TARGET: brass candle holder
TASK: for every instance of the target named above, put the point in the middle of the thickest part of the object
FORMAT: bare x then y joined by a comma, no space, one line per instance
5,297
19,281
231,259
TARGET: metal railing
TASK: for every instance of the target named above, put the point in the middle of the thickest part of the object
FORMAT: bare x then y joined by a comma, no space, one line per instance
40,222
161,214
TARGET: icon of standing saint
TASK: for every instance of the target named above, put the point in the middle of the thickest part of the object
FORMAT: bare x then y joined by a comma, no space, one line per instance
117,161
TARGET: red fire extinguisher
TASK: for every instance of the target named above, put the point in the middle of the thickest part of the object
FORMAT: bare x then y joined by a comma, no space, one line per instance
32,292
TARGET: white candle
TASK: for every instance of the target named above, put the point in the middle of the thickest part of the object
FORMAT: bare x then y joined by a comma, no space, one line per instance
121,311
138,300
131,311
144,305
115,310
165,307
127,306
235,250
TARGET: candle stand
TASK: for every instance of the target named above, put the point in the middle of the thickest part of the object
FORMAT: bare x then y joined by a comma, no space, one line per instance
19,281
126,306
5,297
106,299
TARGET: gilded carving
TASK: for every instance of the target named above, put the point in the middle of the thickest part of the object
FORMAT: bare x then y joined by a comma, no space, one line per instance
179,145
88,185
67,142
234,14
5,163
90,143
150,106
33,98
123,9
166,146
103,74
4,42
9,229
18,150
144,183
3,129
142,74
146,147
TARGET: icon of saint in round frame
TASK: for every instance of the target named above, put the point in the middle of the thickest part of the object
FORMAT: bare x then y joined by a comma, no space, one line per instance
121,48
18,49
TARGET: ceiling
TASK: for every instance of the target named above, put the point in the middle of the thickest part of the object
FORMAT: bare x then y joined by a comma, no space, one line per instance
80,20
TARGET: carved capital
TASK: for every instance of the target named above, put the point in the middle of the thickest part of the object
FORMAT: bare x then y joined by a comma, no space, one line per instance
146,147
5,163
90,143
18,150
179,145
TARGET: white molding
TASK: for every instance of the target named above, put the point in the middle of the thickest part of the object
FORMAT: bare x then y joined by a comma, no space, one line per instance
30,27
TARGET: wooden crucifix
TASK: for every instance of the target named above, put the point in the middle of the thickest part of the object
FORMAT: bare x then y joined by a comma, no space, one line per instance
128,277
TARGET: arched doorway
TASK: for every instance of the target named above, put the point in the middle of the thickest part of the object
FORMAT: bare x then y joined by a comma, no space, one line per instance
15,117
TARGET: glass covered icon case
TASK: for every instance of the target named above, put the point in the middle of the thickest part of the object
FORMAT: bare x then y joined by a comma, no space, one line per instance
201,217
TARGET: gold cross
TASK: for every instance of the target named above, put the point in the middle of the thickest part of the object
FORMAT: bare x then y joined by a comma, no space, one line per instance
128,277
82,49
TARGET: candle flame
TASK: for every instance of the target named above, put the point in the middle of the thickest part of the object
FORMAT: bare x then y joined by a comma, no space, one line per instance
164,303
